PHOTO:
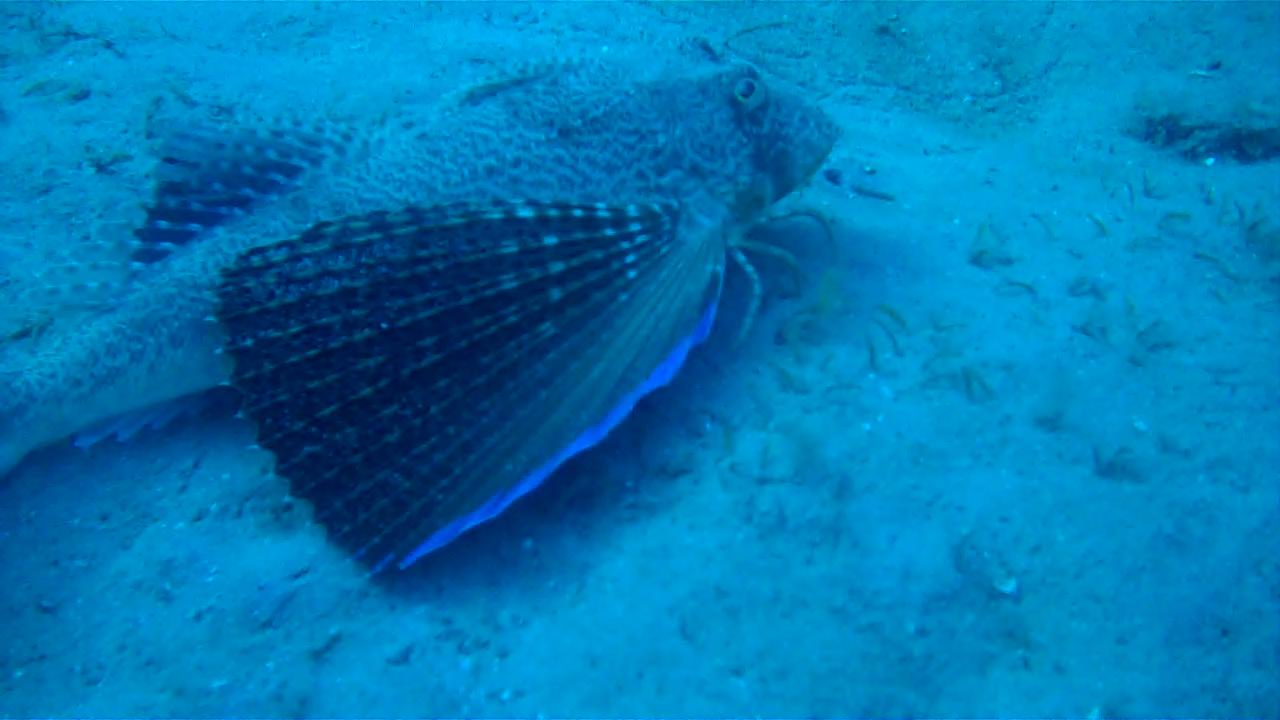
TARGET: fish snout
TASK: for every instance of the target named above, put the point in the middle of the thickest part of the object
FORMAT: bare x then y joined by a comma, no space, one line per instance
803,137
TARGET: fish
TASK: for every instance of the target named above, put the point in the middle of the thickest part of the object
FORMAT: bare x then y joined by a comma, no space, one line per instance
424,319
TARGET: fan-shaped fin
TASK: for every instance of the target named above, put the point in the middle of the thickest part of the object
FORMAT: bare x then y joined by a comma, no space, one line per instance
415,372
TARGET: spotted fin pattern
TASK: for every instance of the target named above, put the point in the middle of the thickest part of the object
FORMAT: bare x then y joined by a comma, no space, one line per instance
415,372
206,177
331,339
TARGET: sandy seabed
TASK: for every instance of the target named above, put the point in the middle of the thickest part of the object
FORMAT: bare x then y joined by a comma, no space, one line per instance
1008,449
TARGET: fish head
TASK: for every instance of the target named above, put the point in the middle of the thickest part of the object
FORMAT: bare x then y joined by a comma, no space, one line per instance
749,141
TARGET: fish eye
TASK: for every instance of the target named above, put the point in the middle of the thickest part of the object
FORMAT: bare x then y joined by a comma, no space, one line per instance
749,92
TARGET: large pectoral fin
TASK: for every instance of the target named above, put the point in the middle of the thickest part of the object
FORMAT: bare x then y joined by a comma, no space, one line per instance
415,372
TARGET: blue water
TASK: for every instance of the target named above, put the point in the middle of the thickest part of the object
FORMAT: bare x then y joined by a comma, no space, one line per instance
1007,445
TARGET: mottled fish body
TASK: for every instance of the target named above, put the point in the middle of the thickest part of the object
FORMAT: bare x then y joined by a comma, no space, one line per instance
427,319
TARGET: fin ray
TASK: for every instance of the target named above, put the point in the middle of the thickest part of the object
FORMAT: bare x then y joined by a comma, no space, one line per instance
386,357
207,175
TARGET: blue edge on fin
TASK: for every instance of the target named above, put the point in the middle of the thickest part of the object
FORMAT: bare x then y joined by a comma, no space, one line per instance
661,375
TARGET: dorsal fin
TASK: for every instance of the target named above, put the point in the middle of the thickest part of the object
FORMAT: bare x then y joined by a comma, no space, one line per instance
207,175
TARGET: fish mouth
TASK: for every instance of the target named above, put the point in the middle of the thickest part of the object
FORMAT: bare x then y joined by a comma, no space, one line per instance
804,156
784,175
819,158
799,142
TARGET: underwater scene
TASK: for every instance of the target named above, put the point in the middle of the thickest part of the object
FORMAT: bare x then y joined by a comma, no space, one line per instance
645,359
